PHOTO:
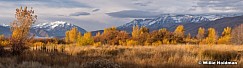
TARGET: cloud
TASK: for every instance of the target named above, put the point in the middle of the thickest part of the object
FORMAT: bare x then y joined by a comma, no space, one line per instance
49,3
79,14
142,3
220,5
95,10
133,14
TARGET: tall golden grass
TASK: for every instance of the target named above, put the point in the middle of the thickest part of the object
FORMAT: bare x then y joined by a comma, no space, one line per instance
108,56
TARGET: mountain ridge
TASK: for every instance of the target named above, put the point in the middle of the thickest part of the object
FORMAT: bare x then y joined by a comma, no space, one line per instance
190,27
51,29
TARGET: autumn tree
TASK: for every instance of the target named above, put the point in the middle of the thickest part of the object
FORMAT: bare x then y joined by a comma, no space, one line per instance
188,38
179,31
237,35
211,37
20,28
135,31
178,34
86,39
160,36
200,33
112,36
67,37
72,35
2,45
140,35
226,36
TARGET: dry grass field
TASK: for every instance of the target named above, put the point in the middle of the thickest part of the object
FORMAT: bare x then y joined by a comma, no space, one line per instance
164,56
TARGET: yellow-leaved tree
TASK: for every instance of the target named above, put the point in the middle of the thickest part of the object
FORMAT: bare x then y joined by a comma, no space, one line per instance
20,28
179,31
86,39
67,37
200,33
135,31
178,34
140,34
72,35
226,36
212,37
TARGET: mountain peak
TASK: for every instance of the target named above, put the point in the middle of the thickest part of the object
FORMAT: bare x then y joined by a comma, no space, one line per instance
60,22
5,25
53,24
56,28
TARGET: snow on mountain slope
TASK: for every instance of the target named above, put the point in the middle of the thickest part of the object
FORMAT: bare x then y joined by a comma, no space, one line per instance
52,25
166,18
57,28
177,18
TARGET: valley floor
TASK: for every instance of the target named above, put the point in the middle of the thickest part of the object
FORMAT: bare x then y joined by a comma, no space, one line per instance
167,56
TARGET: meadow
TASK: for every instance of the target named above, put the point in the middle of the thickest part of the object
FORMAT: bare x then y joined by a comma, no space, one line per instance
163,56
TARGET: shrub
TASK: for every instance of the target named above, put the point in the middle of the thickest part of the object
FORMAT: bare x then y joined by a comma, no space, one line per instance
38,44
97,44
5,43
157,43
132,42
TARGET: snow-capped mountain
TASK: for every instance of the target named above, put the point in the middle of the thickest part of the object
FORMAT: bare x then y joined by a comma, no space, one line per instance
51,29
5,29
176,18
191,22
57,28
166,18
5,25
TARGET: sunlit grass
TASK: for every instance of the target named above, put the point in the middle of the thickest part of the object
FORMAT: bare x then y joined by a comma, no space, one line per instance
128,56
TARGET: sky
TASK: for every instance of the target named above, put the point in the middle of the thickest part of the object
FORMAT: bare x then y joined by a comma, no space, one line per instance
99,14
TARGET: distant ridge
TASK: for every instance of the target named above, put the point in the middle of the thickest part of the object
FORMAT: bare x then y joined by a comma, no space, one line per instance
191,23
51,29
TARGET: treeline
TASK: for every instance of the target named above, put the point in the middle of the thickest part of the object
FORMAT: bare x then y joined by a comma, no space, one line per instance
142,36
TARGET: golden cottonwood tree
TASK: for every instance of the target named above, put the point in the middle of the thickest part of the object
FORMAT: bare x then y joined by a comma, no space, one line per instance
178,35
140,35
20,29
159,36
112,36
179,31
86,39
188,38
212,37
72,35
135,31
200,33
226,36
67,37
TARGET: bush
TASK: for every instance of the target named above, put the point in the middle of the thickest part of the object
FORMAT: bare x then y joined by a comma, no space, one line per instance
5,43
132,42
97,44
38,44
157,43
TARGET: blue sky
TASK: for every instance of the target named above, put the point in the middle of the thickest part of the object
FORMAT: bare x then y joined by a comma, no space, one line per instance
99,14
